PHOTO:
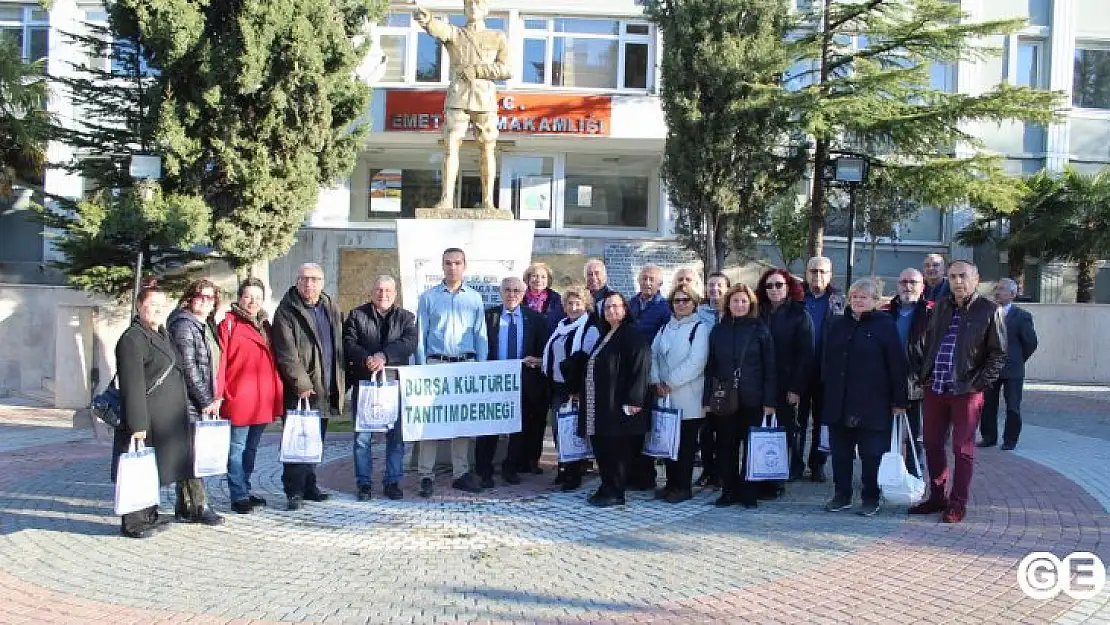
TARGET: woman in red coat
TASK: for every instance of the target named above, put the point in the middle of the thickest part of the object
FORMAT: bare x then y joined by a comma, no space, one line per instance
252,390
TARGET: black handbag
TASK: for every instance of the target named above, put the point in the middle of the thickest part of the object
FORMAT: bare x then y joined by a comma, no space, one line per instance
724,394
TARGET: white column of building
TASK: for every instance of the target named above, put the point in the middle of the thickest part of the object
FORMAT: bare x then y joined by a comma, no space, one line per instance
1061,77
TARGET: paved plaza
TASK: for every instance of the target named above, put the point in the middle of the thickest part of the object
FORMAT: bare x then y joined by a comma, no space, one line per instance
530,553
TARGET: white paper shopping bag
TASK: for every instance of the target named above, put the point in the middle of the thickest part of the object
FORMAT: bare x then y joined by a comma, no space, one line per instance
767,458
572,447
379,404
301,439
666,427
136,479
211,444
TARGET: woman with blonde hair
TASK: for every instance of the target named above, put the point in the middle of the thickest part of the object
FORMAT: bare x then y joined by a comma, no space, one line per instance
540,297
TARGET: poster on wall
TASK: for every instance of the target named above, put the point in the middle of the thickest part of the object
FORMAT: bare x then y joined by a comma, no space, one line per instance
535,197
385,191
585,195
495,249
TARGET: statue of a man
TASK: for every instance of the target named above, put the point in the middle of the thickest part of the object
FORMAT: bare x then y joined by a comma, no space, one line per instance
478,58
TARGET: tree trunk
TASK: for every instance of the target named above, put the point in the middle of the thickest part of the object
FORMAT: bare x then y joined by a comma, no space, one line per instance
1085,285
818,208
720,245
709,254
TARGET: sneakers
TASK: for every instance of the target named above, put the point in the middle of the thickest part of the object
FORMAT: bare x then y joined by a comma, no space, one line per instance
295,502
838,503
242,507
468,483
393,491
257,501
870,508
365,493
427,487
316,496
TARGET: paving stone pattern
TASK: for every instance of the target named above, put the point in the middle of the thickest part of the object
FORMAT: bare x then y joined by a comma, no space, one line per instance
530,553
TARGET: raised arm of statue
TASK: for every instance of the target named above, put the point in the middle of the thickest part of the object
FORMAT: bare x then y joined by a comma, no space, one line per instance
435,27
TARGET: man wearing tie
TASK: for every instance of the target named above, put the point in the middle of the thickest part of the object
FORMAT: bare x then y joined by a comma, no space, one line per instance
515,332
1021,342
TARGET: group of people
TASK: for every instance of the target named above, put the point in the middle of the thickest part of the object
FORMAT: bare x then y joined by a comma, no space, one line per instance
729,357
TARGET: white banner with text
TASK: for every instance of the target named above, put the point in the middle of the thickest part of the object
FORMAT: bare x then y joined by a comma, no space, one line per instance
464,399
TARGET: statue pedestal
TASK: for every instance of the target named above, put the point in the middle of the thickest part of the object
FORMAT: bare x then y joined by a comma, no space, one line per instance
466,214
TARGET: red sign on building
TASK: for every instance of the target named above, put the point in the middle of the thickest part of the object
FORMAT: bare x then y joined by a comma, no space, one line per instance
528,113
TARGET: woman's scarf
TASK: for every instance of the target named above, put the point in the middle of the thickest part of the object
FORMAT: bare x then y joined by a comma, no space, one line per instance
259,322
577,327
536,301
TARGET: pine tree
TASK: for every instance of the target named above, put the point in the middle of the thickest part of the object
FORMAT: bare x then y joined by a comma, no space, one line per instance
262,108
25,123
879,94
727,158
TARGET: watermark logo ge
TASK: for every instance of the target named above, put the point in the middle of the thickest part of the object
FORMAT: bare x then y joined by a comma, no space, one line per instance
1043,576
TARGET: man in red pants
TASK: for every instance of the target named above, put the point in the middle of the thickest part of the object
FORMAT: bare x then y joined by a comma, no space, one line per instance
965,350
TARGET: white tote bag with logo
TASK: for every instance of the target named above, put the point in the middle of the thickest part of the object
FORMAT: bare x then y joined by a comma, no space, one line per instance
136,479
211,444
301,440
767,458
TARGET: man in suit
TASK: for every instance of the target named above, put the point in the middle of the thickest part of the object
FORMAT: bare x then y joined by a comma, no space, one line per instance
516,332
1021,342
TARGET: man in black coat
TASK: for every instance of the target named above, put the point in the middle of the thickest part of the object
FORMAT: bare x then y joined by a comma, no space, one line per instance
377,335
910,311
308,351
516,332
1021,342
824,304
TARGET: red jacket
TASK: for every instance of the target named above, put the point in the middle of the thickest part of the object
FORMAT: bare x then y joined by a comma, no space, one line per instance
252,390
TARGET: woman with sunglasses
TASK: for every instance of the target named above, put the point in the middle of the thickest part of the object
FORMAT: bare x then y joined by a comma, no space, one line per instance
678,355
192,329
792,330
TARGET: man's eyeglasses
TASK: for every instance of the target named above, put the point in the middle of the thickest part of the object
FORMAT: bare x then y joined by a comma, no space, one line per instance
508,290
775,285
682,300
905,282
819,271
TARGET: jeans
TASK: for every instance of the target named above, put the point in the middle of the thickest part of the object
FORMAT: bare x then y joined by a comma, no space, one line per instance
240,459
394,456
958,414
846,442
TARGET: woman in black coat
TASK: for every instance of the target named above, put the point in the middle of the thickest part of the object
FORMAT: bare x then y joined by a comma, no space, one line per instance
153,398
784,312
193,333
615,393
741,355
865,383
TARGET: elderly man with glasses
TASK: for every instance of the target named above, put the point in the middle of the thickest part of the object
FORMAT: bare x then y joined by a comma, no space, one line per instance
823,303
911,316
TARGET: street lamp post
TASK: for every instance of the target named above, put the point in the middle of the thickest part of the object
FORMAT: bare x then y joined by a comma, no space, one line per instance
147,169
851,171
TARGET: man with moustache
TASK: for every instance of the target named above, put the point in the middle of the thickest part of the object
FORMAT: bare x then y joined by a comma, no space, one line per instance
911,315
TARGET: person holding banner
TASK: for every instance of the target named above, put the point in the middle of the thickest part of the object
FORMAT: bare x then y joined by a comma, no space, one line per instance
739,379
678,357
567,349
192,329
615,393
451,328
253,393
865,383
515,332
377,335
308,347
153,400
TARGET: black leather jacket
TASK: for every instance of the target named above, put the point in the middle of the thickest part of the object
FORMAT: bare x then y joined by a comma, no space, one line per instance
980,344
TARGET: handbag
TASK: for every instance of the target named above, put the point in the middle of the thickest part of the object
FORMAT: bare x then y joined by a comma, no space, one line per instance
767,458
898,485
666,427
571,446
211,445
724,395
301,439
379,404
137,484
108,405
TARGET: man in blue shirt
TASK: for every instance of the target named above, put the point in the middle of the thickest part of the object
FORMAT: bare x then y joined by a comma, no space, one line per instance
936,284
823,303
452,329
649,308
516,332
911,314
715,288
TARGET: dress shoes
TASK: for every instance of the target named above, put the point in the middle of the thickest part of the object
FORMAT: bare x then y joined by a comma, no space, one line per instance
1008,446
468,483
510,477
929,506
146,531
606,501
243,506
316,496
208,516
393,491
365,493
985,443
257,501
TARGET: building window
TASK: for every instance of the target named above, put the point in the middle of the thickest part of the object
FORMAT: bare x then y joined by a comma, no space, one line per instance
390,184
28,27
414,56
586,53
1040,12
1029,66
1092,78
610,191
942,77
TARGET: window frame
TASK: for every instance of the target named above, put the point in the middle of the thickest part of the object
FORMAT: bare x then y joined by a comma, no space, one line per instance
1013,69
411,34
1100,45
27,24
549,34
